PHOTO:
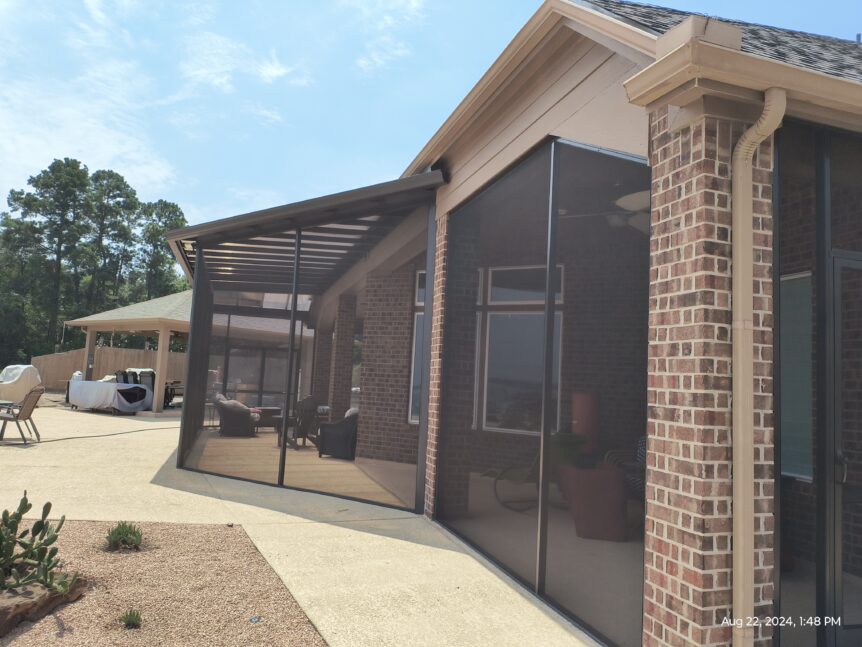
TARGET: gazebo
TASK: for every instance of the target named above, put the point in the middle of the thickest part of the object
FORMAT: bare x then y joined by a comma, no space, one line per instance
165,316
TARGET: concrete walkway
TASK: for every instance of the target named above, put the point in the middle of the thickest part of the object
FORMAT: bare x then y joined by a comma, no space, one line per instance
364,575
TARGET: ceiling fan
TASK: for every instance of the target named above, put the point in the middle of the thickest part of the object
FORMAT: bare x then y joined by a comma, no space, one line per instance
633,211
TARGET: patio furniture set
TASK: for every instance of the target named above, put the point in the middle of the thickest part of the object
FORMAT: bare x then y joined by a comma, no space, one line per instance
335,439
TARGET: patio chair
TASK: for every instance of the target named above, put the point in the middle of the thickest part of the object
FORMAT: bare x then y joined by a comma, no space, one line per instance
235,419
338,439
122,377
307,424
23,412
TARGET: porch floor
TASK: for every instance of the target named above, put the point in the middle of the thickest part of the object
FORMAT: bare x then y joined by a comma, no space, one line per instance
256,458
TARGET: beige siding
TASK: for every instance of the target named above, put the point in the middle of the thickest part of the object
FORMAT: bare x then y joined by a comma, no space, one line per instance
572,89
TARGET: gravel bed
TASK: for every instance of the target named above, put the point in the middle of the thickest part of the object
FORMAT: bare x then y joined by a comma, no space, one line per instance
193,584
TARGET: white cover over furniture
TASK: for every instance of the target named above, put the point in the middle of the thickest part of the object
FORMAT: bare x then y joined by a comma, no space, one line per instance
17,380
108,395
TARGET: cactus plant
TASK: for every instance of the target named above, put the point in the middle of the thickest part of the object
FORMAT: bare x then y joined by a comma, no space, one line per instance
27,555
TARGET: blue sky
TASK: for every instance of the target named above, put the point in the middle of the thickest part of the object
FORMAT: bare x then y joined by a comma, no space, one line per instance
227,107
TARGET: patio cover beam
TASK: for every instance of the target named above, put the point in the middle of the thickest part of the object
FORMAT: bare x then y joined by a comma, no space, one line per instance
337,231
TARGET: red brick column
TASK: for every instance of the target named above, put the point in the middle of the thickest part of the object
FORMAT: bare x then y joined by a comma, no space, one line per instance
688,559
341,366
435,372
322,362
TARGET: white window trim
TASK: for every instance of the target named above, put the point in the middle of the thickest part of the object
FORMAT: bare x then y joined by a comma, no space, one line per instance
558,316
504,268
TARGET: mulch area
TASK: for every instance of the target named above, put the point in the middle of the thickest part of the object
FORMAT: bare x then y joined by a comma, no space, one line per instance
193,584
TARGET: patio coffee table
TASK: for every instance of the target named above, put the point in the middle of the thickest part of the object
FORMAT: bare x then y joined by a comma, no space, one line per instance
269,417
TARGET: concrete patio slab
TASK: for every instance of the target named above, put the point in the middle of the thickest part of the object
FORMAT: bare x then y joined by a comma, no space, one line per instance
364,574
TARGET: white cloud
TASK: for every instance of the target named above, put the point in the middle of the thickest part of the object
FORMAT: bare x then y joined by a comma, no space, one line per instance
265,116
383,19
381,51
214,60
270,69
385,15
198,13
96,117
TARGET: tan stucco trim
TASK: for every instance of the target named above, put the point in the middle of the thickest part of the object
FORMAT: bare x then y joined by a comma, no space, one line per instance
127,325
551,15
687,71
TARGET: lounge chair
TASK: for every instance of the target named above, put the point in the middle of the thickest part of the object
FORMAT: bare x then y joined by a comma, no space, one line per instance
338,439
235,419
23,412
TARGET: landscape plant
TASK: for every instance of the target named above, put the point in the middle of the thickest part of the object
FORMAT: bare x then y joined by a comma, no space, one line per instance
28,554
124,535
131,619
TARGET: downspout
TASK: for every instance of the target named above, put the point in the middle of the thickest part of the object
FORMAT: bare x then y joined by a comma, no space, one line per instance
742,299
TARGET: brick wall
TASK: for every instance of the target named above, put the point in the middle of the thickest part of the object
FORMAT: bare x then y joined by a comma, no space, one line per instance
341,365
322,361
387,351
688,560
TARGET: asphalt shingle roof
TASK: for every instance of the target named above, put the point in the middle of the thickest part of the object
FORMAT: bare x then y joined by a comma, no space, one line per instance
176,307
833,56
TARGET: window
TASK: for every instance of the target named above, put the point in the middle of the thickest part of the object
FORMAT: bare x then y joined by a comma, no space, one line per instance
417,364
510,348
797,375
522,285
513,370
420,289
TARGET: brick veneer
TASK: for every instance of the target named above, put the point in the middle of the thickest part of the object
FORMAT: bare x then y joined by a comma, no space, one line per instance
321,366
688,559
435,370
341,365
387,351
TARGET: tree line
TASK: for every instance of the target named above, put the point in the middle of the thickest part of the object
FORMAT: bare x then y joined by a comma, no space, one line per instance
74,243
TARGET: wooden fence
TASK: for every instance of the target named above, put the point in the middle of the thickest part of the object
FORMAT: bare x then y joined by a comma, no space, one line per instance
57,368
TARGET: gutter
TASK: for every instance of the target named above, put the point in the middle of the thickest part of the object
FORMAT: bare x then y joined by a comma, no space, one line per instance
742,299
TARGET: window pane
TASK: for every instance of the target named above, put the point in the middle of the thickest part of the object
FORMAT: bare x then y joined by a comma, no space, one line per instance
514,377
275,370
420,288
796,365
418,368
520,285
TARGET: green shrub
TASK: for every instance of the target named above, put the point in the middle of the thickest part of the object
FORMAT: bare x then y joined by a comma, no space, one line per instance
124,535
27,555
131,619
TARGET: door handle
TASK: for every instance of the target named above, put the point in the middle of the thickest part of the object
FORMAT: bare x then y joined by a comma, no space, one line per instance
843,463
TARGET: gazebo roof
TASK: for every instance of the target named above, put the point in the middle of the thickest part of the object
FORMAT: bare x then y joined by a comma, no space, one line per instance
172,311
